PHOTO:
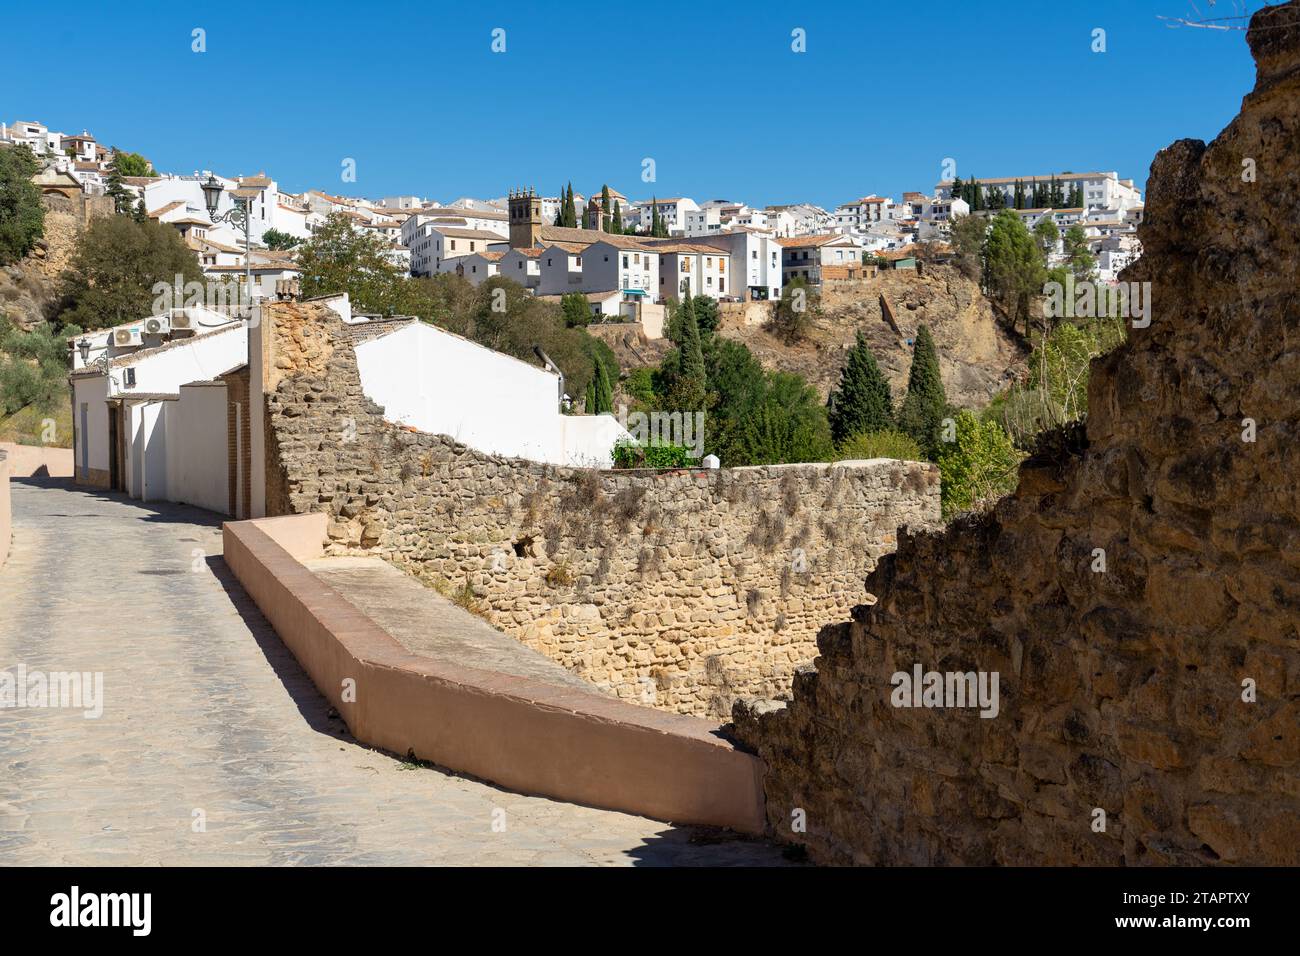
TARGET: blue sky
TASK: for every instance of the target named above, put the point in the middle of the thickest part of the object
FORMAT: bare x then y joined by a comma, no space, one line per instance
584,92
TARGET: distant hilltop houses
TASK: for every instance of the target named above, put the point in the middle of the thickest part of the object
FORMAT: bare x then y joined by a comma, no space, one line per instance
629,255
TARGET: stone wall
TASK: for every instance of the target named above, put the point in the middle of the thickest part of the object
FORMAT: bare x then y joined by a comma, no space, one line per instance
686,590
1161,687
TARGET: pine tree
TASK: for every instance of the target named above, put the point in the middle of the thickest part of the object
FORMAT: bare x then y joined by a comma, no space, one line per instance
862,402
141,214
923,409
957,187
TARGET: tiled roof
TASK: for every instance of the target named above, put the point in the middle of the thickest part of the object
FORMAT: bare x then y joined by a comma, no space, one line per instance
454,233
796,242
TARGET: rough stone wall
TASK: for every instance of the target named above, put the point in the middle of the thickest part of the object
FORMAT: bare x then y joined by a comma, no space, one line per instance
1122,690
684,590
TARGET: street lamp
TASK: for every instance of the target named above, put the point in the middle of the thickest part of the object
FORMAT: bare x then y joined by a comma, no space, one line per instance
241,215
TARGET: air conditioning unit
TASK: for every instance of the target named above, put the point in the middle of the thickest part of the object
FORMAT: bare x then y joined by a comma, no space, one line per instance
158,325
127,337
181,320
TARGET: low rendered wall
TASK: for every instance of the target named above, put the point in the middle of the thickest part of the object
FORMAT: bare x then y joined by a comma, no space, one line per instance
38,461
518,733
6,519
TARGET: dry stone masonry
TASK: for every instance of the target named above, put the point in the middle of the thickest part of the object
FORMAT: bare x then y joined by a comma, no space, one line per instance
685,590
1150,701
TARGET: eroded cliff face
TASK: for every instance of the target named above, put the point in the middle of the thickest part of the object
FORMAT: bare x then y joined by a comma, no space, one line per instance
978,357
1125,690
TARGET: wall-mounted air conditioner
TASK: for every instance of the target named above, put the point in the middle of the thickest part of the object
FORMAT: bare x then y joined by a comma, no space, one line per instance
157,325
124,338
180,319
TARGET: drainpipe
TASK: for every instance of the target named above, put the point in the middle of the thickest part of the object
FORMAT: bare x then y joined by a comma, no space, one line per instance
546,361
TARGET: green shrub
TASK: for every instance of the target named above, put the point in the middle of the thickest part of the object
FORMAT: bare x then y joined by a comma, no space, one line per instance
1057,390
887,443
978,467
630,454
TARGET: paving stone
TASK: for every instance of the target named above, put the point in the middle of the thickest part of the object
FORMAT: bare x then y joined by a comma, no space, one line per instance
205,709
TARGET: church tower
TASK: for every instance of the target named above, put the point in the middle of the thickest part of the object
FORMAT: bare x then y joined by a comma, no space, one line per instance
593,217
525,218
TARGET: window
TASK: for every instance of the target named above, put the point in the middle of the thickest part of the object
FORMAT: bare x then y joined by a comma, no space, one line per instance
754,254
722,285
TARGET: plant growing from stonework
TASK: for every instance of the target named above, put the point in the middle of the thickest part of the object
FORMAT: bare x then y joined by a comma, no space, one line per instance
978,467
861,402
888,443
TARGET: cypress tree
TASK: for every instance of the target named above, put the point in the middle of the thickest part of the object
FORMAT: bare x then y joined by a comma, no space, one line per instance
600,394
570,210
616,221
922,413
690,388
862,402
654,218
604,207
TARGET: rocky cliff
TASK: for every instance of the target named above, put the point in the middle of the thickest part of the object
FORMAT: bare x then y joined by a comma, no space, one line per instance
28,288
1138,595
977,356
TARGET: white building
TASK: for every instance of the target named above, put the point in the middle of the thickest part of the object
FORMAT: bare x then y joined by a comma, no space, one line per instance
478,267
1103,190
522,266
672,211
754,269
691,268
417,233
153,423
808,257
858,216
438,248
799,219
421,374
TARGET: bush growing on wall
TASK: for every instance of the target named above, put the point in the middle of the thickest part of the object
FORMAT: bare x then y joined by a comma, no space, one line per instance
629,454
887,443
978,467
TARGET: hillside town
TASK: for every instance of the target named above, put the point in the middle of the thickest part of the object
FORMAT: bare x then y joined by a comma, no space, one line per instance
622,253
508,522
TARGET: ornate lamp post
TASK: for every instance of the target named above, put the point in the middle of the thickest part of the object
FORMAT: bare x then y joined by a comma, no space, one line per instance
240,216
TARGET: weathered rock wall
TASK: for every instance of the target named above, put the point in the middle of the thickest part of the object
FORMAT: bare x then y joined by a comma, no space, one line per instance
685,590
1125,690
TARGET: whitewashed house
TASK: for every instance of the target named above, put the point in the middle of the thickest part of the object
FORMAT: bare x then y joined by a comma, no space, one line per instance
523,266
808,257
421,376
478,267
755,264
152,421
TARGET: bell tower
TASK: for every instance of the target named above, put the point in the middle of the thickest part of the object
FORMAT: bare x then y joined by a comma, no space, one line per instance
525,218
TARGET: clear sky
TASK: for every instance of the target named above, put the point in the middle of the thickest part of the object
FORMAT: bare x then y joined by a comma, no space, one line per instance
712,91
